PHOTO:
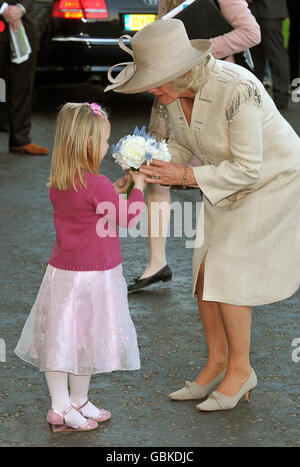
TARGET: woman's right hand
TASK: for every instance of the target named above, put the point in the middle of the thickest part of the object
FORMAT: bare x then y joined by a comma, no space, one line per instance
139,180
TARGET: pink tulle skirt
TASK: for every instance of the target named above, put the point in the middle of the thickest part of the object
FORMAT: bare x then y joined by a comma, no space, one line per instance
80,324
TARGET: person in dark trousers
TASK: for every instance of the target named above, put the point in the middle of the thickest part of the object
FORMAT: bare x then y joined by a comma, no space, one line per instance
19,78
270,15
294,42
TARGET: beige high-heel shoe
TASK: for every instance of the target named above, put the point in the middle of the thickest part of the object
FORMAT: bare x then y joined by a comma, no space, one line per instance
196,391
218,401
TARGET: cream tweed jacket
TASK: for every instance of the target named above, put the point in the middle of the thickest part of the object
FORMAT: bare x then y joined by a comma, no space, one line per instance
250,180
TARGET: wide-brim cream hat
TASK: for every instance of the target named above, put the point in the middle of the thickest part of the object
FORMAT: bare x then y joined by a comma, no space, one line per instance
161,53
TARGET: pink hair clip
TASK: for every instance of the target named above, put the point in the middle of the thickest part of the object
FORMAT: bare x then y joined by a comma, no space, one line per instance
96,108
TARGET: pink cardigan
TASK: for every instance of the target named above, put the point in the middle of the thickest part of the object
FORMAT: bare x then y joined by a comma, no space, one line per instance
246,31
85,222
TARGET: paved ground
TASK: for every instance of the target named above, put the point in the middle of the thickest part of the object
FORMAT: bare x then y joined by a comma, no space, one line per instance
171,339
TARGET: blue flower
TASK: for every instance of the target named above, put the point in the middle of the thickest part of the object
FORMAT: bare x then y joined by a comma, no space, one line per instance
148,156
115,148
141,132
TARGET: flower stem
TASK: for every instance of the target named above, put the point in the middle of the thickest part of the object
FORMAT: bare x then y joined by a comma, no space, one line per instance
130,188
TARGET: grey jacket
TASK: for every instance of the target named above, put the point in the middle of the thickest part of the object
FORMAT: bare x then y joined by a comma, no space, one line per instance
269,9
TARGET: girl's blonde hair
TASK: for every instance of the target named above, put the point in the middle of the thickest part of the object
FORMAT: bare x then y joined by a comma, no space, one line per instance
193,79
77,145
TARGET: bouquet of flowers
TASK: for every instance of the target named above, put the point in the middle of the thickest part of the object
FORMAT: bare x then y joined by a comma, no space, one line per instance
132,151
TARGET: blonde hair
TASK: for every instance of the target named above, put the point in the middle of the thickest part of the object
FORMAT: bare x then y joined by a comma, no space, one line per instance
192,79
77,146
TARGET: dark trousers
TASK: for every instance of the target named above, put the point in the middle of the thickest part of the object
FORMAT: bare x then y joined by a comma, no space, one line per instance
19,86
3,115
272,48
294,42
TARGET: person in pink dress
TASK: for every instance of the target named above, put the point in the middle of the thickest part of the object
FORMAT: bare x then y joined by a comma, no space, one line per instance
80,323
245,34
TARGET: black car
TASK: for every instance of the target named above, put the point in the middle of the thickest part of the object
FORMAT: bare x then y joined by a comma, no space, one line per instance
83,34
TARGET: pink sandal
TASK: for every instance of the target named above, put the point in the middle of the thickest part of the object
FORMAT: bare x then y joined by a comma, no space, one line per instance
58,424
103,417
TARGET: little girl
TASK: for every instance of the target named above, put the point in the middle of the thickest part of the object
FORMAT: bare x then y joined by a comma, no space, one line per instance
80,323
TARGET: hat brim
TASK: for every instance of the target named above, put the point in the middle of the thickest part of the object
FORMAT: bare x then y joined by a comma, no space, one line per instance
144,79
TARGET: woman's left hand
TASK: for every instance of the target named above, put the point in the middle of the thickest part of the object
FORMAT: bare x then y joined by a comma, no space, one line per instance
122,184
165,173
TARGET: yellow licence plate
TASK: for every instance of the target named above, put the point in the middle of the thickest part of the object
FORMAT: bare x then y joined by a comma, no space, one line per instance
137,22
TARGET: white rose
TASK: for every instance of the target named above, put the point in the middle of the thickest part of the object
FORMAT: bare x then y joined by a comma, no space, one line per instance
133,151
163,152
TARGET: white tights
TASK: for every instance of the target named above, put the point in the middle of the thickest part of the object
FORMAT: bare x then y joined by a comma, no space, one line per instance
61,398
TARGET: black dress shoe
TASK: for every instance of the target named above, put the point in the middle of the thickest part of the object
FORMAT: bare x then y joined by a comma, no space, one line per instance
165,274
